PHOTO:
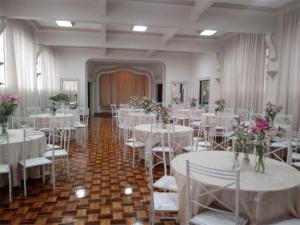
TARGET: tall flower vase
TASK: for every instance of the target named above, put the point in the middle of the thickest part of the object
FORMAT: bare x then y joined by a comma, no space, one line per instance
236,160
4,125
260,158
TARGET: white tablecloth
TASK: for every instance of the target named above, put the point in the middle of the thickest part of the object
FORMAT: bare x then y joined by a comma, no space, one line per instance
264,198
183,134
138,117
221,120
43,120
13,153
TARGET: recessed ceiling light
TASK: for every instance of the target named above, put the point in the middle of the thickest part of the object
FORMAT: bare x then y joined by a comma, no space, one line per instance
208,32
64,23
139,28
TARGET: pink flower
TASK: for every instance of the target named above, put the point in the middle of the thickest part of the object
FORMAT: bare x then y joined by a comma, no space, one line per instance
260,124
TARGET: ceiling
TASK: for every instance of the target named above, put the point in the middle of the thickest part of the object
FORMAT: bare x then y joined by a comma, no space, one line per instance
173,25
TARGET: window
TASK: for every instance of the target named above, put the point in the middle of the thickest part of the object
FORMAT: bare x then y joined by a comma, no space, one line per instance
2,68
204,92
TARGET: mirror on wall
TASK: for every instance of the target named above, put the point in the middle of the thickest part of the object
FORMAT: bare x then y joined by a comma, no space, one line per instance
179,92
70,87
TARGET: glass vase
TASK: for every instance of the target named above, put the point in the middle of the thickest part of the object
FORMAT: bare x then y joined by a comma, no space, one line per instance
4,126
236,160
260,159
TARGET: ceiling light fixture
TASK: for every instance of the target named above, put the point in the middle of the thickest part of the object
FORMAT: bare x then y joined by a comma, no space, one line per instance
139,28
208,32
64,23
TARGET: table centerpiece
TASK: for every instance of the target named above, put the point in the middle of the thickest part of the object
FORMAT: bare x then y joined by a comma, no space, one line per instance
220,105
8,104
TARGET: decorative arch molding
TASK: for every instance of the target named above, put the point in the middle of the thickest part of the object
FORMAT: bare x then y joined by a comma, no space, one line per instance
95,89
114,70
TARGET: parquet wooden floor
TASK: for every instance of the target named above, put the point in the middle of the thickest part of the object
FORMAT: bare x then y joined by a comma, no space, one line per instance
98,167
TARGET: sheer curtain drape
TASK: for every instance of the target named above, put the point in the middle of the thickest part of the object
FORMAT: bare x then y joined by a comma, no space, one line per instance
48,81
20,63
118,87
242,83
288,93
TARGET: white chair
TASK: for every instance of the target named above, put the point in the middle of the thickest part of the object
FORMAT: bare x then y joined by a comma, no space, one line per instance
293,221
283,121
114,113
82,123
213,215
160,202
201,141
33,110
163,153
124,106
62,135
28,161
243,114
129,138
5,168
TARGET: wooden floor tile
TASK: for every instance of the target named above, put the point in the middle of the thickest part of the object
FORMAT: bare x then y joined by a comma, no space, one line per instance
99,168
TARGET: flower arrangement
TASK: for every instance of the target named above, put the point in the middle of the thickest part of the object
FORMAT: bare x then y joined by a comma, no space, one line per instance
146,104
193,102
61,97
271,111
261,137
243,141
164,114
220,105
8,104
54,104
134,101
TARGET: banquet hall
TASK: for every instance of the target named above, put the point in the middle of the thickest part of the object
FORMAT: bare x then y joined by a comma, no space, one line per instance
143,112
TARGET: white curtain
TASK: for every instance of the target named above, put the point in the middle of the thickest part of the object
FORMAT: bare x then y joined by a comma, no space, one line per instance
242,82
20,63
48,83
288,93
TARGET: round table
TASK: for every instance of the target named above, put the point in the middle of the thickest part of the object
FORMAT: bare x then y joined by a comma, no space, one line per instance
260,194
13,153
183,134
43,120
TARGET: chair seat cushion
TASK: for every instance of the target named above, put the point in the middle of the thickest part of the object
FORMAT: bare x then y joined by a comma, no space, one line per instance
164,201
214,218
296,156
56,153
287,222
162,149
51,146
135,144
194,148
166,183
38,161
281,144
4,168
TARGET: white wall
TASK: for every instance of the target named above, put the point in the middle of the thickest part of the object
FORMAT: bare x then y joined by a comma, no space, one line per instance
71,63
205,66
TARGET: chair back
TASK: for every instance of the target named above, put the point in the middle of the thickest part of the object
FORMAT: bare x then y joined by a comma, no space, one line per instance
226,179
284,121
28,133
4,149
124,106
243,114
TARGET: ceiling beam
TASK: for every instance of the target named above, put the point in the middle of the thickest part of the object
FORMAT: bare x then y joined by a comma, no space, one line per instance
124,41
104,33
200,7
149,14
167,36
150,53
